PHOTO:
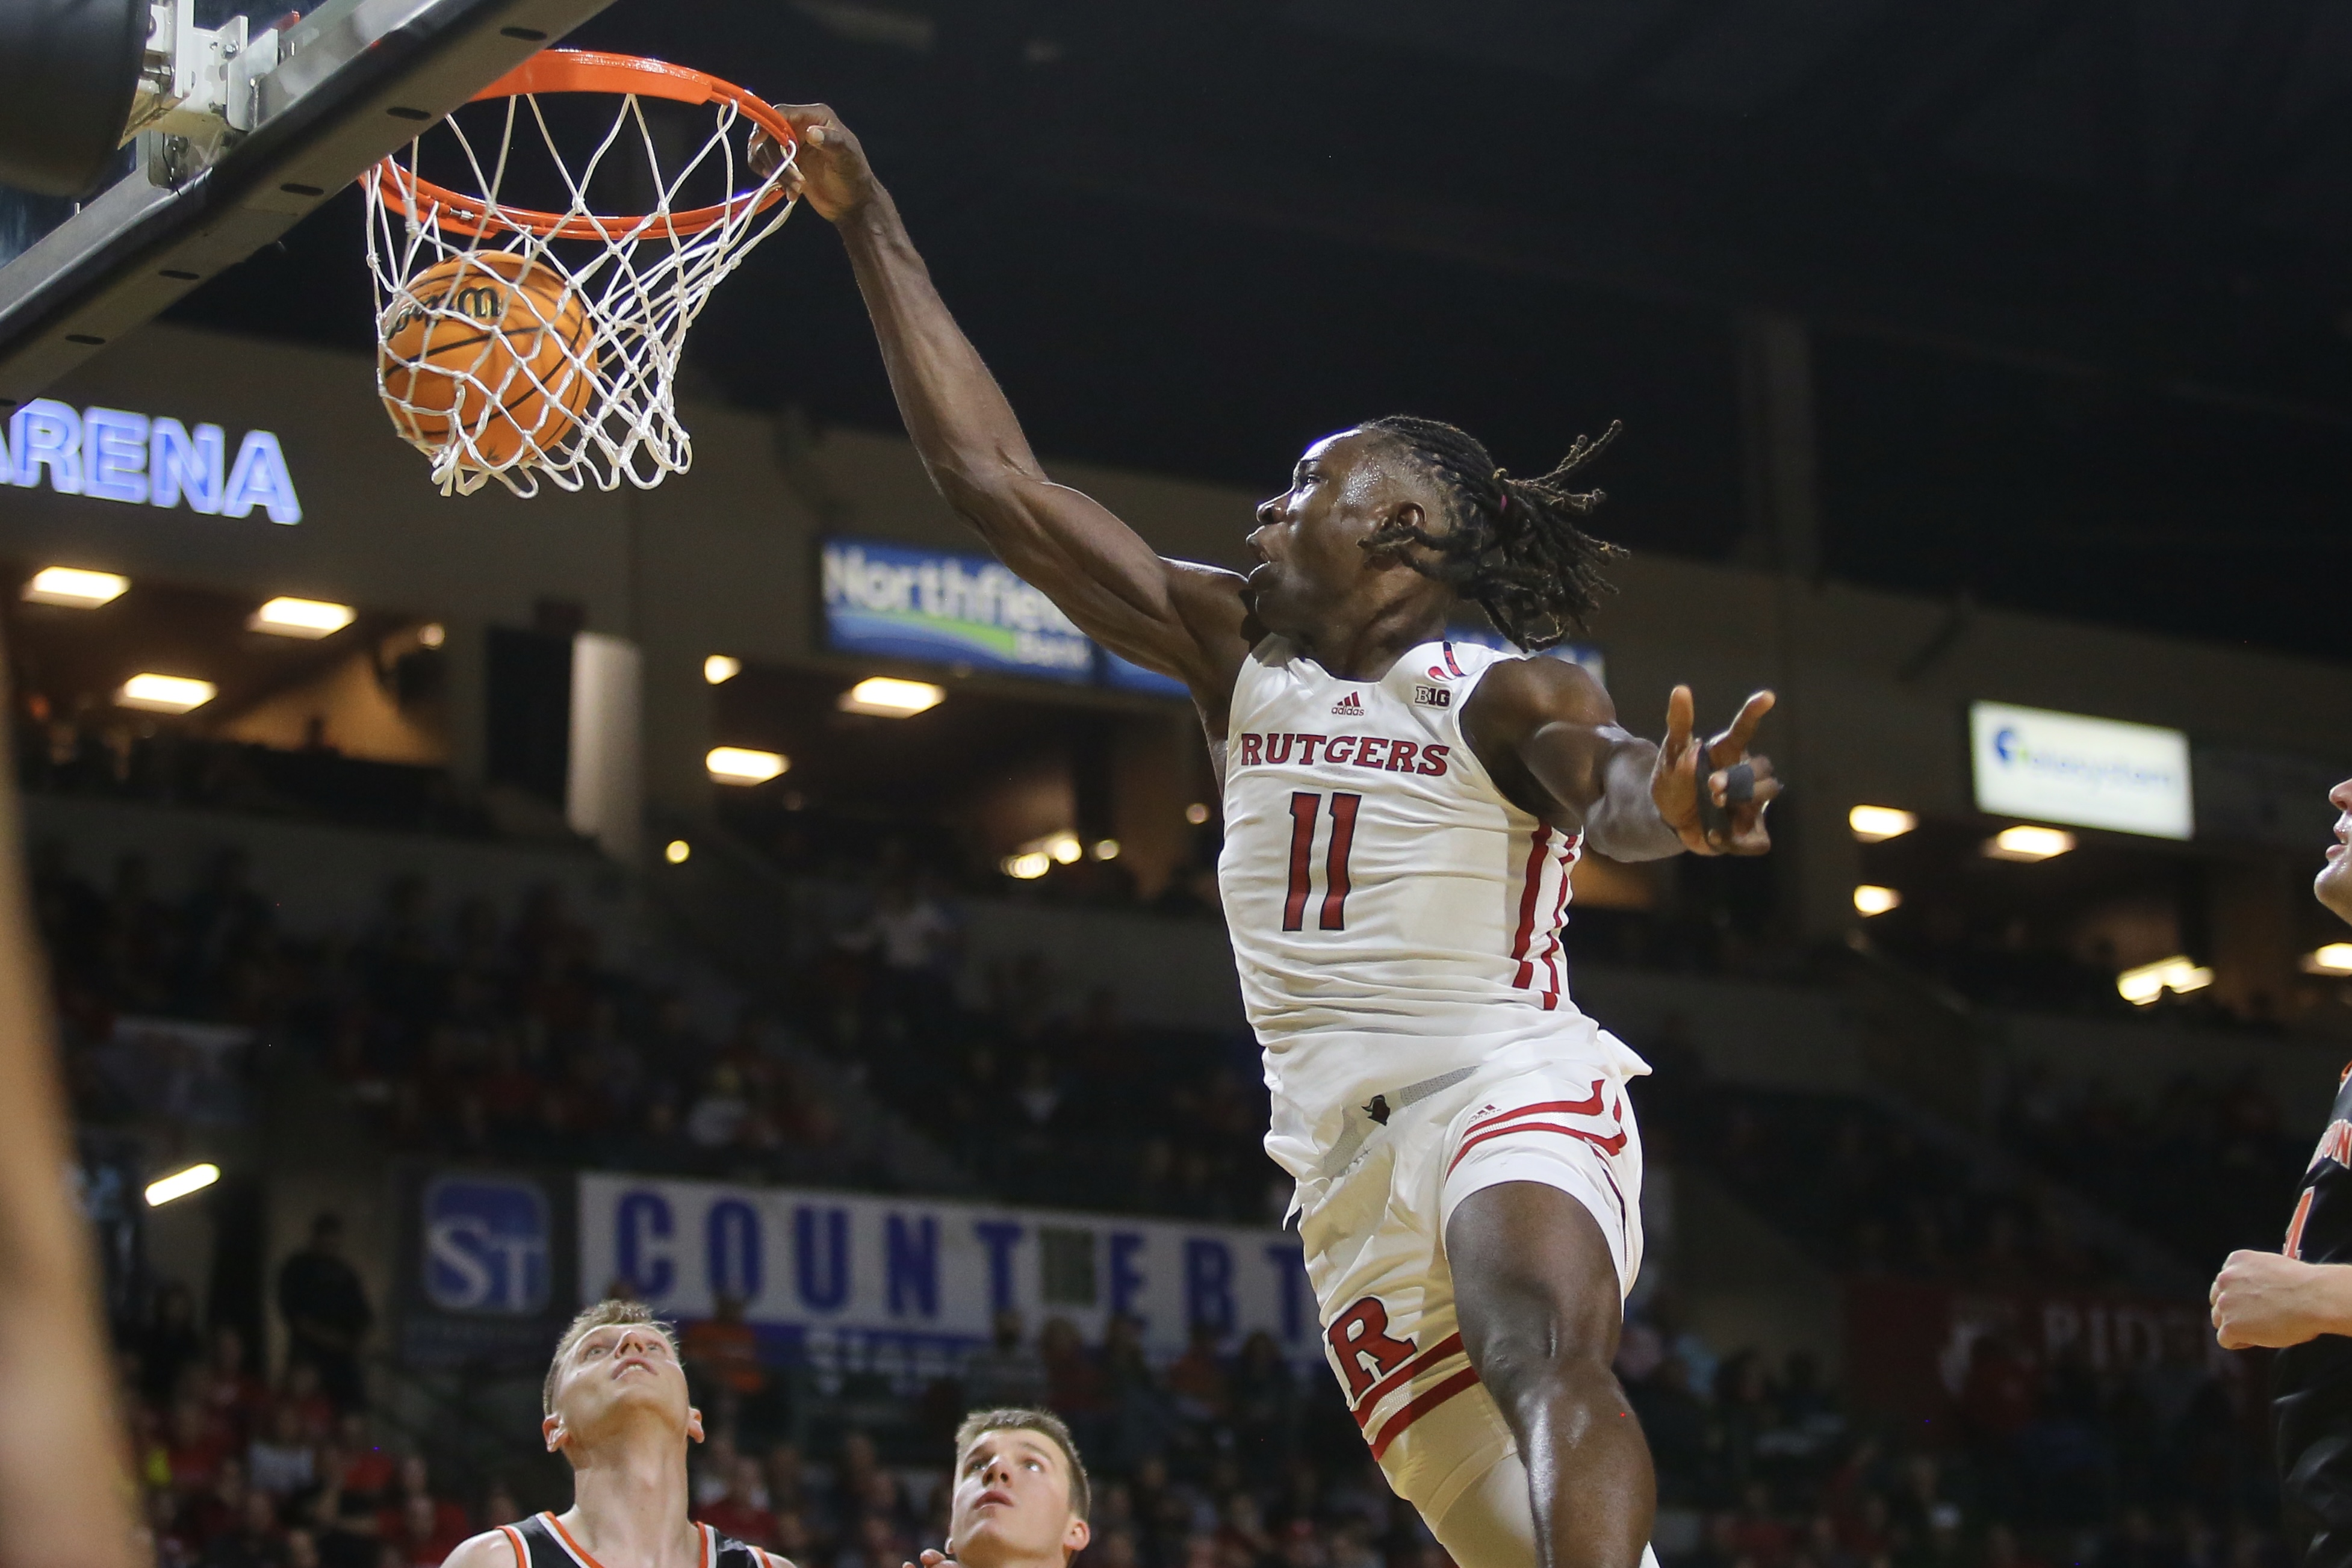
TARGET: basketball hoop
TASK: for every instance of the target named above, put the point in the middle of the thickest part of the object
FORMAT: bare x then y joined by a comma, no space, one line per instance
516,342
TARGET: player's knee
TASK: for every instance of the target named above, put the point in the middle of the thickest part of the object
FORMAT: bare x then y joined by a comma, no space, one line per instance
1547,1357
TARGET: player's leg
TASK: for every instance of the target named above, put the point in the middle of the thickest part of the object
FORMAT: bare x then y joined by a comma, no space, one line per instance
1537,1295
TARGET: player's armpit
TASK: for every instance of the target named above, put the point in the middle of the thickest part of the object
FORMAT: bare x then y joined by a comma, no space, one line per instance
1548,733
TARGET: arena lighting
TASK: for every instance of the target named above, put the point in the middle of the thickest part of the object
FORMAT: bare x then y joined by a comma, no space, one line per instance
179,1184
2023,843
1027,866
718,669
740,765
164,693
74,588
2142,985
300,617
1876,824
1197,812
1871,899
1105,849
2335,959
892,698
676,852
432,635
1063,847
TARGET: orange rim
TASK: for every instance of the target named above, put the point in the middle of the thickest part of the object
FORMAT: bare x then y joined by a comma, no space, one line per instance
585,70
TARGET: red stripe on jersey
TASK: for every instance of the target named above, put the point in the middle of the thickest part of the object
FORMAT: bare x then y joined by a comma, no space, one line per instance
1422,1407
1449,658
1451,1344
1303,806
1335,874
1610,1145
1528,896
1552,955
2294,1247
514,1538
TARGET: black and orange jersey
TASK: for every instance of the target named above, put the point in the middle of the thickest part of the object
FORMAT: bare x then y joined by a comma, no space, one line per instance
2311,1383
541,1542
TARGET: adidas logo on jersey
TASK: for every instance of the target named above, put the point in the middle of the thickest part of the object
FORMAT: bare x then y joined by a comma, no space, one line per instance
1433,696
1351,703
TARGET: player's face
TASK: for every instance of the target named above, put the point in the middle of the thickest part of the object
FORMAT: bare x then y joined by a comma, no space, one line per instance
2335,884
1013,1502
616,1376
1307,539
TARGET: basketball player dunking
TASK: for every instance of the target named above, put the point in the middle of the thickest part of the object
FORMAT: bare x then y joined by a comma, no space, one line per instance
615,1406
1400,815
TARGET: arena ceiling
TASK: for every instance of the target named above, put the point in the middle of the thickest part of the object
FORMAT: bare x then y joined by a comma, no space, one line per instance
2080,275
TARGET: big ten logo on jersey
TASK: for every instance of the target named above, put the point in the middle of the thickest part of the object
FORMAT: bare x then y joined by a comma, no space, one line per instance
486,1246
1365,1350
1432,696
1377,753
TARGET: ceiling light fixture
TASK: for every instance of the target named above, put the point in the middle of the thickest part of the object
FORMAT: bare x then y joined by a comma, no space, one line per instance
718,669
74,588
742,765
2142,985
889,698
179,1184
164,693
2335,959
309,618
2027,844
1876,824
1872,899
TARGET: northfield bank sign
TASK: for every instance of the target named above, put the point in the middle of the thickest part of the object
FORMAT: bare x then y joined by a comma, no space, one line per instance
114,454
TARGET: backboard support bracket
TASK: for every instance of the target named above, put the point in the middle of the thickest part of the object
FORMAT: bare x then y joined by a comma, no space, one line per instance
241,138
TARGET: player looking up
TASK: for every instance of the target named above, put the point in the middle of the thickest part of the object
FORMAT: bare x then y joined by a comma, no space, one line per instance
1021,1494
615,1407
1400,815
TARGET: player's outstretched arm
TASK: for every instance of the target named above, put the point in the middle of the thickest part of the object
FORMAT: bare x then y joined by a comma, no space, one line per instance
1175,617
1549,728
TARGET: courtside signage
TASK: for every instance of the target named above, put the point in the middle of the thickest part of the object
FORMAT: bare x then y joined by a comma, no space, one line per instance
486,1246
114,455
951,609
849,1277
2086,772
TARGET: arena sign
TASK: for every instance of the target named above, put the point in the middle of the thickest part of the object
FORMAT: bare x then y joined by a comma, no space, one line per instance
850,1279
2086,772
114,454
912,604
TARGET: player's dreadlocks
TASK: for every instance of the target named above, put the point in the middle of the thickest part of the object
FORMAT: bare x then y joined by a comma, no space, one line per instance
1513,547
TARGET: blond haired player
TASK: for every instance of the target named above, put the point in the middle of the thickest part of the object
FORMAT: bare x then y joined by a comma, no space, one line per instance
1402,814
615,1407
1021,1494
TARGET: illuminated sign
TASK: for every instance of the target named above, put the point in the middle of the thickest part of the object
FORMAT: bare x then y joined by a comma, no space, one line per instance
2091,772
913,604
112,454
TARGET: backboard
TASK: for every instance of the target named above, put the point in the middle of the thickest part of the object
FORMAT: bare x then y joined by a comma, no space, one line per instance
248,117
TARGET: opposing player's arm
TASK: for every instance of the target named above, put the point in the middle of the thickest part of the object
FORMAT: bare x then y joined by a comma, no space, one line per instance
1181,619
2268,1299
1550,734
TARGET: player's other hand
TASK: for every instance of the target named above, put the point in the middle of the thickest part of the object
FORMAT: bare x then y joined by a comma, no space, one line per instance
2268,1299
1686,765
829,170
937,1560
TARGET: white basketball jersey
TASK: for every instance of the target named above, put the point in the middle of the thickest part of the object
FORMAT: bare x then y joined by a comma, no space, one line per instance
1394,918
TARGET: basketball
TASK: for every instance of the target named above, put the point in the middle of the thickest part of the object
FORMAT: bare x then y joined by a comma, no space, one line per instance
490,348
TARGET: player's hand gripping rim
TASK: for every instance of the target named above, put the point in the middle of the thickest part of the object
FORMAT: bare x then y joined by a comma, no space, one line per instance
829,169
1728,820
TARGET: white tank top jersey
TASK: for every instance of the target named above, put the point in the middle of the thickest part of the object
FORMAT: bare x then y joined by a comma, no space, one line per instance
1394,918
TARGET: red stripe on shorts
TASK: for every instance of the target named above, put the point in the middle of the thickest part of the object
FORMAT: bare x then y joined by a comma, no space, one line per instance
1449,1345
1422,1407
1606,1145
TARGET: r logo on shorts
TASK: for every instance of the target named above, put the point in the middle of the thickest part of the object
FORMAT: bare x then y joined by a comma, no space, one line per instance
1363,1330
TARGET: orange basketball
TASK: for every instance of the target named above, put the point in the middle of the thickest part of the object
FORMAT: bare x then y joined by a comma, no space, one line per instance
491,345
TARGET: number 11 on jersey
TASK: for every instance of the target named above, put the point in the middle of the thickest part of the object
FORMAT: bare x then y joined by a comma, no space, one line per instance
1305,806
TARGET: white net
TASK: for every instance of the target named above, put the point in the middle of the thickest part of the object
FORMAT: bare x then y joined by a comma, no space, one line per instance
521,344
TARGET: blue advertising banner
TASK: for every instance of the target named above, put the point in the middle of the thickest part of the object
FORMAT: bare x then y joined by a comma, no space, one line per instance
840,1276
486,1261
911,603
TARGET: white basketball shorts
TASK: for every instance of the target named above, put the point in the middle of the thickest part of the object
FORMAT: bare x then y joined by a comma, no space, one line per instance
1374,1234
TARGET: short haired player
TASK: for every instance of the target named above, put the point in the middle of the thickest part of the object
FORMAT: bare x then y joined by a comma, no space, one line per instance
1400,815
616,1408
1021,1494
2298,1299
